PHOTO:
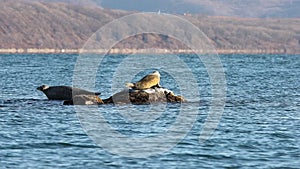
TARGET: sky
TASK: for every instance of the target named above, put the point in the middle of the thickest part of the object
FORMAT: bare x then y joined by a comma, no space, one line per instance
241,8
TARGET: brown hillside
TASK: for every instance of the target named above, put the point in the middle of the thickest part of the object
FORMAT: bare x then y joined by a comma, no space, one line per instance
65,26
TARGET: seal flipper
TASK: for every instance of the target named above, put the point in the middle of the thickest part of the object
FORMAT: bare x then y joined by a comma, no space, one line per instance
156,86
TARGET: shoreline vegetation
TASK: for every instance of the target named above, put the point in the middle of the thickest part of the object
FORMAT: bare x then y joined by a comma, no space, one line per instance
144,51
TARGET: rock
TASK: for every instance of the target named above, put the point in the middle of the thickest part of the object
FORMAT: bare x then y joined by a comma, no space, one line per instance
147,96
129,96
174,99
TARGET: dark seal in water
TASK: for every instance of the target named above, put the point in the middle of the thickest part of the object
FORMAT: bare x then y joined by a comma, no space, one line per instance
63,92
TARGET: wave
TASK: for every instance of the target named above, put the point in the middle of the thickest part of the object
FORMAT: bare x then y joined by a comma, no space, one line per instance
18,102
53,145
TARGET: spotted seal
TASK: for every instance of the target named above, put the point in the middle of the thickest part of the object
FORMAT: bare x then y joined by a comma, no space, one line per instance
63,92
149,81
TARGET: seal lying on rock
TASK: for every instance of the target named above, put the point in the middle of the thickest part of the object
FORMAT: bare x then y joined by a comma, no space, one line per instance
149,81
63,92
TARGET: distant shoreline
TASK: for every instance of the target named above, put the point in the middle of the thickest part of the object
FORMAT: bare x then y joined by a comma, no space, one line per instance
46,27
145,51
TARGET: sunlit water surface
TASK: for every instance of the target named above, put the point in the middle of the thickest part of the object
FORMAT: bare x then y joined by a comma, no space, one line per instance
260,126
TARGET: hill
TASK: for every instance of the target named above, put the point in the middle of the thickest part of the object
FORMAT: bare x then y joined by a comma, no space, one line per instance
25,25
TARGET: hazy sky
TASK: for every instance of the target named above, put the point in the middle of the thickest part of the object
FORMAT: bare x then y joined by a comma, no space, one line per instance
242,8
245,8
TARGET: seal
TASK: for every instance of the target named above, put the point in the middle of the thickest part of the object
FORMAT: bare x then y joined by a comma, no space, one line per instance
149,81
63,92
84,100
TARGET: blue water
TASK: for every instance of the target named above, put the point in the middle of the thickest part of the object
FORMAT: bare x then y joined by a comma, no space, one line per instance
259,128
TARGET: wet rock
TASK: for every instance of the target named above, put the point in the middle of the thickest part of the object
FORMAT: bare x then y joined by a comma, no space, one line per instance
147,96
173,98
129,96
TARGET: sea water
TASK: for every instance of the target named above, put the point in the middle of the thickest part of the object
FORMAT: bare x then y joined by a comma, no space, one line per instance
259,127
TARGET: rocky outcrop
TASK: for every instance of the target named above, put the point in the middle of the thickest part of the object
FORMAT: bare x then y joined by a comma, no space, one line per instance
148,96
129,96
144,96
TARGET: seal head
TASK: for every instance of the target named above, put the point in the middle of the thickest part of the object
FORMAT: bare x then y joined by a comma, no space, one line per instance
43,87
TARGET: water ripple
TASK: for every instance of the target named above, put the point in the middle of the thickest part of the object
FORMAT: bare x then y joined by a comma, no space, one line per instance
259,126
